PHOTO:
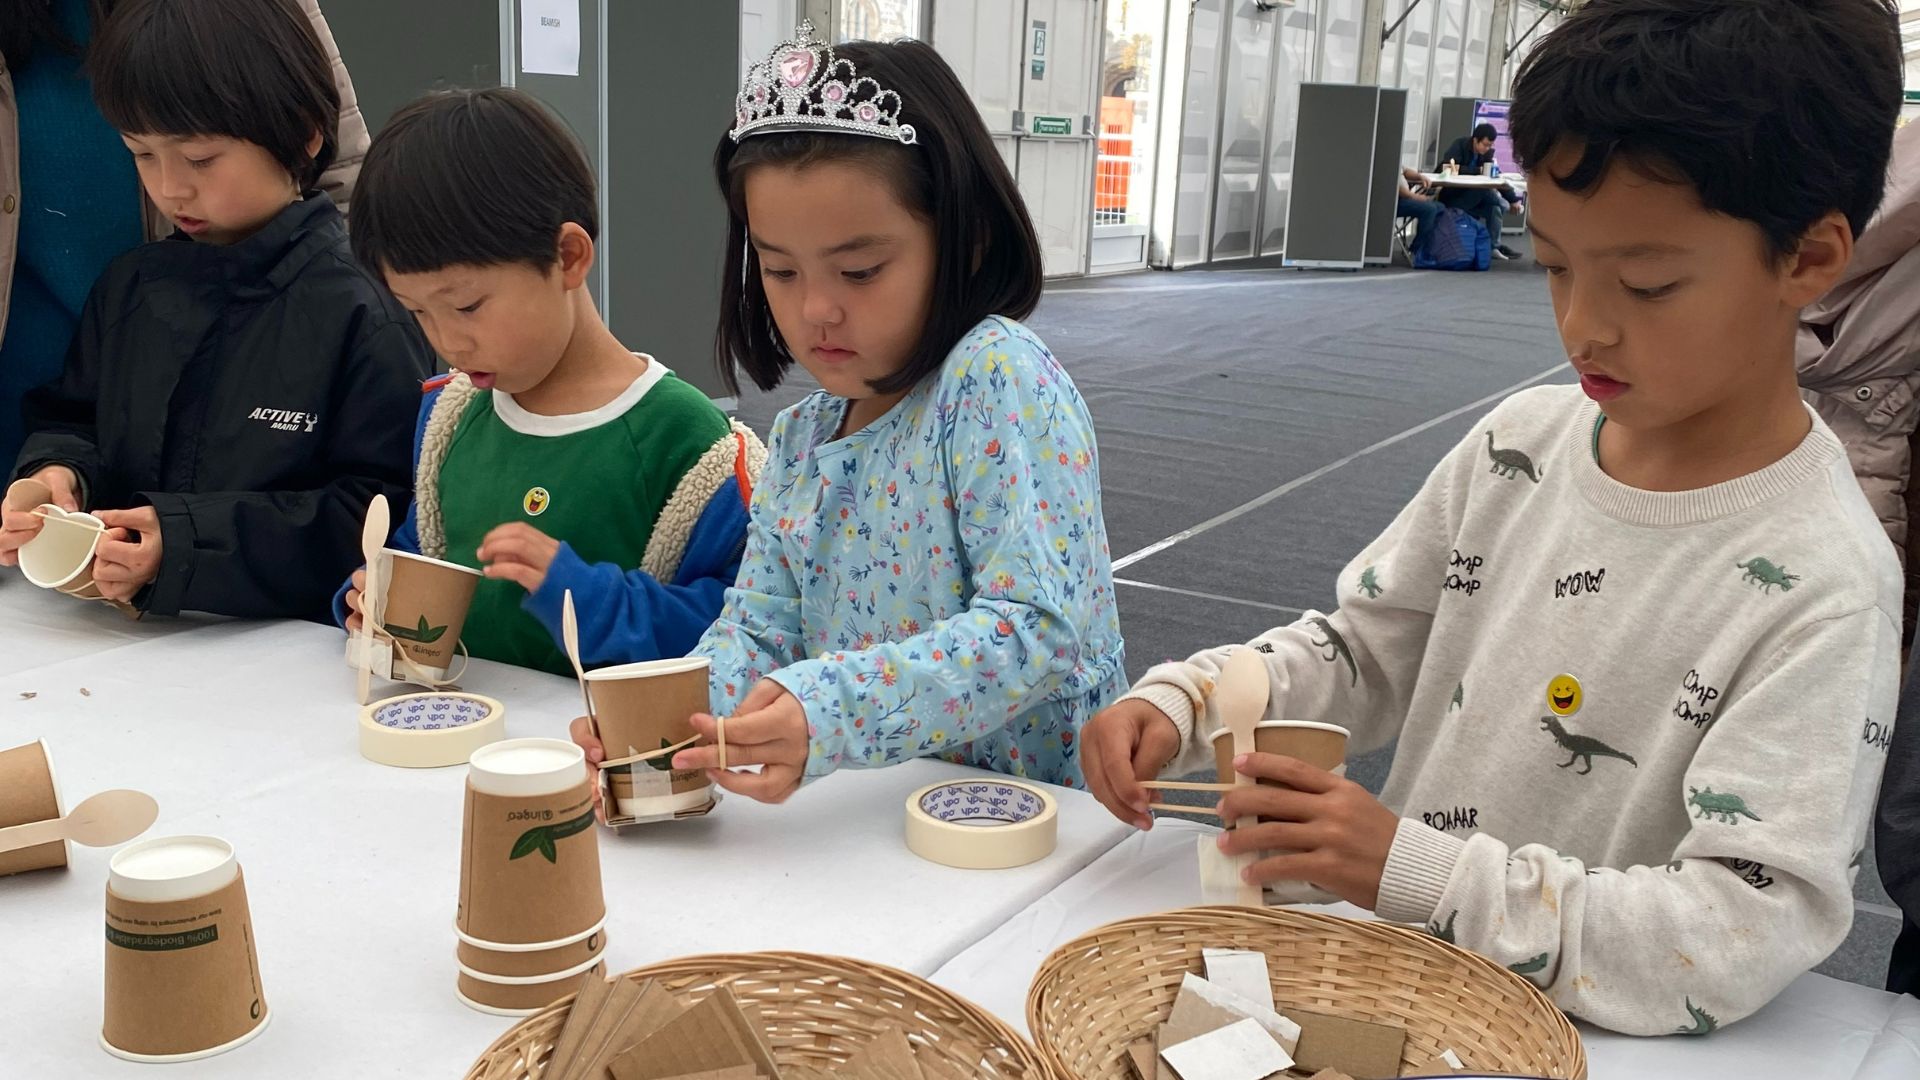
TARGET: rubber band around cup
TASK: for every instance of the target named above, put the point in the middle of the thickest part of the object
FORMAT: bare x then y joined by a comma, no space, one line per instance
529,980
416,674
531,946
651,754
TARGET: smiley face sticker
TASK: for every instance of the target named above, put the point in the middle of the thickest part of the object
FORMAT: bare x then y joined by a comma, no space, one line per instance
1564,695
536,501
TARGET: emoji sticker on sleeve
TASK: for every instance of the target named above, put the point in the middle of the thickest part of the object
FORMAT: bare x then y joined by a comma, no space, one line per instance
1563,695
536,501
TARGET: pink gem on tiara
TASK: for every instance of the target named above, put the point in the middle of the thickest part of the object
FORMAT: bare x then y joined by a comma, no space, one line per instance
803,86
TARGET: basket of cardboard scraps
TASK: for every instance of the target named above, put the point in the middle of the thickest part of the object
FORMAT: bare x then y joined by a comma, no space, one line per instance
760,1016
1261,987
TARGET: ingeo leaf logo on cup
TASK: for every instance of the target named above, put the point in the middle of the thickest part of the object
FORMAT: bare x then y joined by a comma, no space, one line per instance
542,838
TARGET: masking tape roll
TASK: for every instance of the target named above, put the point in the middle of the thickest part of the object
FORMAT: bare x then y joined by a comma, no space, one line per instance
431,730
988,824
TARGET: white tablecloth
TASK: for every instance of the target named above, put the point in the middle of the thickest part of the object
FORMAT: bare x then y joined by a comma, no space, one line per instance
1820,1029
247,731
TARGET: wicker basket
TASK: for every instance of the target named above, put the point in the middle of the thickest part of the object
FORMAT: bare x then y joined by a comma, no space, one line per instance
1101,991
818,1010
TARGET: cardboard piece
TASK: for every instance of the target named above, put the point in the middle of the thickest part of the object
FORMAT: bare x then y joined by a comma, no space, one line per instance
1239,1051
1330,1074
27,794
426,607
1240,972
530,867
649,1007
1362,1050
1140,1058
529,997
641,709
181,975
888,1057
1203,1007
593,995
711,1035
738,1072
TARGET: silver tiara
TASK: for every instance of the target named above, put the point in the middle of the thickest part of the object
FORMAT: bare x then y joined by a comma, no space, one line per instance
801,86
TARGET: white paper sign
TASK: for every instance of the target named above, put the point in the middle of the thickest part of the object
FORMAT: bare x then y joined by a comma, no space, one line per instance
550,37
1241,1051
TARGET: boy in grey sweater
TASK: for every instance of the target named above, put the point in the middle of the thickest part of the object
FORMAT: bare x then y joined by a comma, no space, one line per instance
1638,640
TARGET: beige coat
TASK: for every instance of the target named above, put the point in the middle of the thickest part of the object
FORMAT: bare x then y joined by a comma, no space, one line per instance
338,180
1859,354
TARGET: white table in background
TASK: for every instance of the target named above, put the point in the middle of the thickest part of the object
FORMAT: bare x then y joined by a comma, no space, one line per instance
40,626
247,731
1464,180
1819,1029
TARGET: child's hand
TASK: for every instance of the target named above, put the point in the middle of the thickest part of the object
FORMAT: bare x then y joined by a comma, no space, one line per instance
770,730
1121,746
128,557
518,553
583,736
19,524
1329,830
355,587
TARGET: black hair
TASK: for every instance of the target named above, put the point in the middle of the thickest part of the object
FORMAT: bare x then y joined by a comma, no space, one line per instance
244,69
470,178
987,257
26,24
1776,112
1484,131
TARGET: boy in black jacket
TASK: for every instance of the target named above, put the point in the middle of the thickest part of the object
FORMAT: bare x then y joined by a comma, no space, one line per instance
235,395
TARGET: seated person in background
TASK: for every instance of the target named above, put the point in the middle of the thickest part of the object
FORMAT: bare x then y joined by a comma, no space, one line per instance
1470,155
1417,204
234,395
555,460
1634,639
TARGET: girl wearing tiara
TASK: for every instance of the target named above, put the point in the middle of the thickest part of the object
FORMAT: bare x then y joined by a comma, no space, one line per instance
926,570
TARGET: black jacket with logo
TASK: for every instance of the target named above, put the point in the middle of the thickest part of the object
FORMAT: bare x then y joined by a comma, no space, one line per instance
256,395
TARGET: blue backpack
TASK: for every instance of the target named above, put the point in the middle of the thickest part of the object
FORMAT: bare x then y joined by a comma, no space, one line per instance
1459,242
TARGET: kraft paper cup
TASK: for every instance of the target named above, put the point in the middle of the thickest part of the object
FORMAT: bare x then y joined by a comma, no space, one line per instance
1323,746
29,792
641,708
530,856
537,963
60,556
522,997
426,607
182,976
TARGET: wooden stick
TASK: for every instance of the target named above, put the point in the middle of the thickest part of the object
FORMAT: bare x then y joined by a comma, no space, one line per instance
87,525
1172,809
1178,785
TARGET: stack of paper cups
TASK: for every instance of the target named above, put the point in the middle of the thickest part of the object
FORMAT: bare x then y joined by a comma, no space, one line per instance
532,914
183,981
28,793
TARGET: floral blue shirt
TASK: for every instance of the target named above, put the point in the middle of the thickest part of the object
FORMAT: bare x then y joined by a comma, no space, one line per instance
937,583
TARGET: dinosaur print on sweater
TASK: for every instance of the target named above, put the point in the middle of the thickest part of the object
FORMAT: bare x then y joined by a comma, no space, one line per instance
1581,746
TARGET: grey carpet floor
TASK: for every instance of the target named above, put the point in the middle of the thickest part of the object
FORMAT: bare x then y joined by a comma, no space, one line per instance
1283,418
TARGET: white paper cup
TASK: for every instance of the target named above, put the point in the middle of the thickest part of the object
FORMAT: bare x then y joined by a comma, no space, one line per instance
63,549
526,767
171,868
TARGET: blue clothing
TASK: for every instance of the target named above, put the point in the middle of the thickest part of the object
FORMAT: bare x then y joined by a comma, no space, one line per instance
624,616
1424,212
79,207
938,582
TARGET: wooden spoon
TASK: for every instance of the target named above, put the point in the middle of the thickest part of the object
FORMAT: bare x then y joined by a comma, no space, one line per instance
1241,699
102,820
570,634
373,539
